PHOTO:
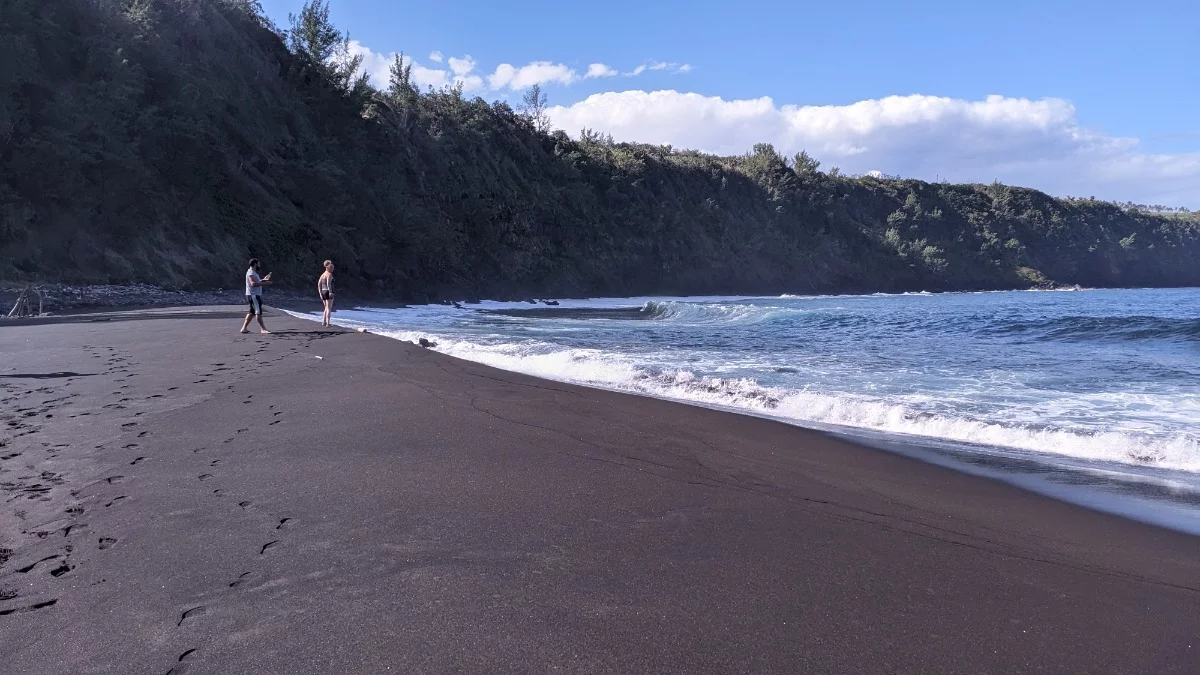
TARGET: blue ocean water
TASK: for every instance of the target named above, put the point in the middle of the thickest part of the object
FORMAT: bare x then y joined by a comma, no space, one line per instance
1096,383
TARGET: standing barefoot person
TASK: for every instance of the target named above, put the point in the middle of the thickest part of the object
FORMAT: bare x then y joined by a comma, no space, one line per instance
325,290
254,289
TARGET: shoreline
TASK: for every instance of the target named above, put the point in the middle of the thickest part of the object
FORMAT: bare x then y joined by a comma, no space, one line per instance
1103,486
232,503
63,299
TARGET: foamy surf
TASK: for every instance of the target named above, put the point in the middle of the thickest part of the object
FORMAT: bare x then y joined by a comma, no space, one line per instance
1106,377
595,368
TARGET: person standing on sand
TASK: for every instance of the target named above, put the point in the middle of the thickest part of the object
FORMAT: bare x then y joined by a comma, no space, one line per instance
254,288
325,291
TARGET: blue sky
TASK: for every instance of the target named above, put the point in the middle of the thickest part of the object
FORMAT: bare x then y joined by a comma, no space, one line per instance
1115,88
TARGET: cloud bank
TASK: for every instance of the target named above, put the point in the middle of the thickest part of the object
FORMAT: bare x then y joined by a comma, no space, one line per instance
1035,143
517,78
461,70
1038,143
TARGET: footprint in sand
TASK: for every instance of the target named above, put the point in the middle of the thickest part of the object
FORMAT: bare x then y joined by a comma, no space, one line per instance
29,568
40,605
193,612
185,655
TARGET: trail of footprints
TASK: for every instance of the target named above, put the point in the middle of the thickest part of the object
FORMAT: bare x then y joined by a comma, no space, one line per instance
29,420
238,584
244,581
33,408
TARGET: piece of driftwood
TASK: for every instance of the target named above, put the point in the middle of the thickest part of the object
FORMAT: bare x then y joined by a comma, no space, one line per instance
24,304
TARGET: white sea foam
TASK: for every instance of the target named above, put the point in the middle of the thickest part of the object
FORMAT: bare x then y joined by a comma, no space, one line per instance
592,367
1081,379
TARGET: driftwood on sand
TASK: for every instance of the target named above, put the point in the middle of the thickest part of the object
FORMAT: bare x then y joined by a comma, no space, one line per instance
24,305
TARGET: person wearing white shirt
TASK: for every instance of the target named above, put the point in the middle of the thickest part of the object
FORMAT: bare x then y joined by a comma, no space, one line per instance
254,289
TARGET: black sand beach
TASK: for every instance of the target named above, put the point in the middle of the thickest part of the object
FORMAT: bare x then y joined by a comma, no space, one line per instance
181,498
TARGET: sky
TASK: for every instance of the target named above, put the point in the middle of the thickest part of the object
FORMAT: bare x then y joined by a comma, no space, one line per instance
1074,98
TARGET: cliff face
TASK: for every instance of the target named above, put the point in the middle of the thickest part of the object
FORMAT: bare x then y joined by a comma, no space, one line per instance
167,141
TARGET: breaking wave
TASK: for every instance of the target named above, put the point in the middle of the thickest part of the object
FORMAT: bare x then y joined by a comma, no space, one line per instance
597,368
711,313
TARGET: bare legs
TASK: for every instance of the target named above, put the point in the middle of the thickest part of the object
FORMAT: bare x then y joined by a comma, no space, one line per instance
326,320
261,325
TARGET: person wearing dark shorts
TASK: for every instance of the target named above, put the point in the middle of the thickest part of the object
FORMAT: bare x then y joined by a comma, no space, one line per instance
325,292
254,287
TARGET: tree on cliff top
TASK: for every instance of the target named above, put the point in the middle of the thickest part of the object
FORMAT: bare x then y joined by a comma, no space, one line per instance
313,37
533,107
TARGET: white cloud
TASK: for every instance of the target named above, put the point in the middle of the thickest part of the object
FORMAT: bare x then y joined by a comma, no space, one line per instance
537,72
600,70
1038,143
462,69
462,66
670,67
378,68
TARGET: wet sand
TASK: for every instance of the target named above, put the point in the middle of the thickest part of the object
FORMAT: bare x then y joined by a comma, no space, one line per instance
177,497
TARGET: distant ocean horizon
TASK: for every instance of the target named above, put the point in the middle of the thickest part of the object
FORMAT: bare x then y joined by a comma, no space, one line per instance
1096,383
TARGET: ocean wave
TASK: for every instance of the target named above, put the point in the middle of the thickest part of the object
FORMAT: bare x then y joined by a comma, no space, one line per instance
711,313
1101,328
593,367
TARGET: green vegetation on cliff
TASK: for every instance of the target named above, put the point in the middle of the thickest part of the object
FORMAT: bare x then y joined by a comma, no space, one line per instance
166,141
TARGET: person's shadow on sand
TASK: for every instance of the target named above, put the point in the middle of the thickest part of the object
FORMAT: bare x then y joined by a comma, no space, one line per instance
44,376
314,334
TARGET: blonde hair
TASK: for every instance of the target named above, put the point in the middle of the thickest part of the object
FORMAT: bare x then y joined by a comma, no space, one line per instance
328,263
